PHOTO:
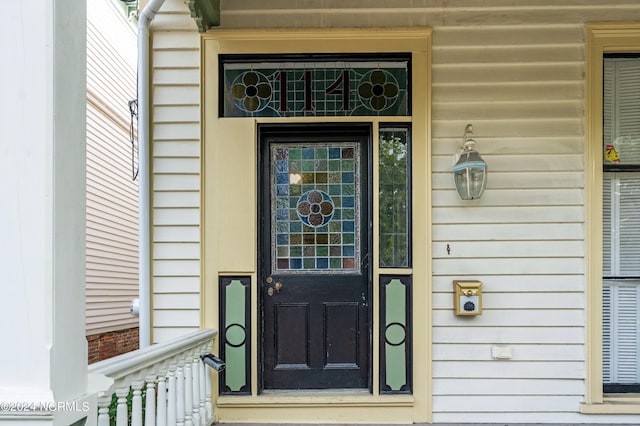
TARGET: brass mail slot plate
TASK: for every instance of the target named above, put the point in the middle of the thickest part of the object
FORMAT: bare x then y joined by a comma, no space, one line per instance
467,297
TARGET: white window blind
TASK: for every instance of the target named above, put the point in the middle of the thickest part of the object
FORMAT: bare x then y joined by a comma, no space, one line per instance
620,338
621,222
621,109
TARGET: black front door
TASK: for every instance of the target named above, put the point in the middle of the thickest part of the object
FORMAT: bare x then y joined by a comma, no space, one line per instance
314,262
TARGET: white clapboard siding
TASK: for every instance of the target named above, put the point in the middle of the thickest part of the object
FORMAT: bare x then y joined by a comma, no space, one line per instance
514,300
185,182
505,370
176,233
474,212
176,317
176,216
166,334
507,266
501,387
176,301
176,165
167,114
173,267
479,352
172,198
488,249
180,250
533,283
459,335
112,196
533,191
167,95
508,403
176,285
511,318
176,172
506,232
170,149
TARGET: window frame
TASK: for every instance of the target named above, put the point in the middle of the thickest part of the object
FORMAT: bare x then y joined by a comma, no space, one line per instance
387,126
601,38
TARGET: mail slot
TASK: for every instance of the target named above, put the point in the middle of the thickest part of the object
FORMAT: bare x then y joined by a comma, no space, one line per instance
467,297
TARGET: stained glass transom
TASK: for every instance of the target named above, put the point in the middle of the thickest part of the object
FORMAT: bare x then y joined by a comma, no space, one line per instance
315,207
314,88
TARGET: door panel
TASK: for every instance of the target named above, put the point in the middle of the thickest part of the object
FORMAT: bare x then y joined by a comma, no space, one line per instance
314,232
341,343
293,321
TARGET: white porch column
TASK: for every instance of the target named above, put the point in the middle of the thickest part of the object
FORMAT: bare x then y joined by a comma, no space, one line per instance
42,169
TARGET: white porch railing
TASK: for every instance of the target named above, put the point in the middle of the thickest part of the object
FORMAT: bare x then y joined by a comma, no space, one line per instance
172,377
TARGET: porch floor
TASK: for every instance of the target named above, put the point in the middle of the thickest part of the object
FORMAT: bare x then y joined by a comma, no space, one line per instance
426,424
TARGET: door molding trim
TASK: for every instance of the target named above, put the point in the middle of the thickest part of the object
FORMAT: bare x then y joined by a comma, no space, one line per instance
222,243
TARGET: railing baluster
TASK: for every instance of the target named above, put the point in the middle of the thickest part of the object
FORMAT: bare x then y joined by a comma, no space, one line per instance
161,417
172,411
188,393
103,410
180,394
202,391
150,401
195,389
136,403
122,414
207,388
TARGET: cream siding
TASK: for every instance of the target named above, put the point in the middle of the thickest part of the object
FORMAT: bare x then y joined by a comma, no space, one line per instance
176,172
533,146
112,196
516,72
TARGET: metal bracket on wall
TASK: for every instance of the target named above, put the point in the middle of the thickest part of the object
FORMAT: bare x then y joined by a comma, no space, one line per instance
206,13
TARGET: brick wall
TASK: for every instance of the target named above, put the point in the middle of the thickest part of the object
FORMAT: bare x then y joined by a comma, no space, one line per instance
108,345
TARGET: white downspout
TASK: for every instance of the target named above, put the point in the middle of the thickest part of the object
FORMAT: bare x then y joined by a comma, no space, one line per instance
144,125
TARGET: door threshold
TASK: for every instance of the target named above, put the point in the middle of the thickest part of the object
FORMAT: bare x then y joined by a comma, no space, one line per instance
331,397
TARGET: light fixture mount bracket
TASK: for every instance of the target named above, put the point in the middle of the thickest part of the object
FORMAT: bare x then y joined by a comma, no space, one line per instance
469,170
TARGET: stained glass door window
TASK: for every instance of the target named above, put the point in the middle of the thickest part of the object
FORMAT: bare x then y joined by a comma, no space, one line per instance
314,207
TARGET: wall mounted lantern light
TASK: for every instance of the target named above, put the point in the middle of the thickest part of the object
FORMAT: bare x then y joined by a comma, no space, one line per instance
469,170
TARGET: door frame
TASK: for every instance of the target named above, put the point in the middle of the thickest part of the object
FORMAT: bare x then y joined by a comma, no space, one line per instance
221,243
264,209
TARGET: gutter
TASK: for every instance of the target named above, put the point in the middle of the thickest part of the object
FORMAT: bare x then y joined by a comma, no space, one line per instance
144,126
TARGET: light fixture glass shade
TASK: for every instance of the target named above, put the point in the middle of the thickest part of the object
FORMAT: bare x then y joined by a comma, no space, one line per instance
470,175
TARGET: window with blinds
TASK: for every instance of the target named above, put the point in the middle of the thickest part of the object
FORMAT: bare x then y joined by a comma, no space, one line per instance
621,225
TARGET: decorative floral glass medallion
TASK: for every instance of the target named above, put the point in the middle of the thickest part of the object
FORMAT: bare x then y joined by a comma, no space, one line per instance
251,91
315,207
379,89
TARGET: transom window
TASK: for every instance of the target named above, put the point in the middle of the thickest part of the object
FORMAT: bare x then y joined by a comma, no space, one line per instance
315,85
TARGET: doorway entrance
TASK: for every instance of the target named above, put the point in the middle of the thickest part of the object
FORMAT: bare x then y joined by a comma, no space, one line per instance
314,269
